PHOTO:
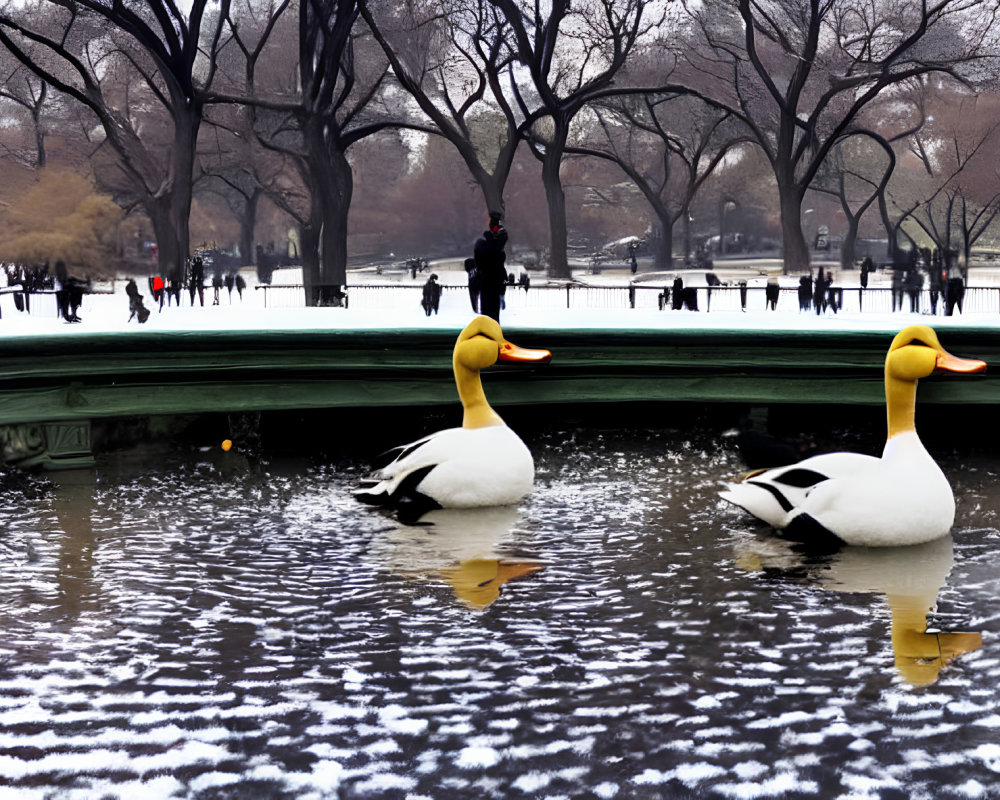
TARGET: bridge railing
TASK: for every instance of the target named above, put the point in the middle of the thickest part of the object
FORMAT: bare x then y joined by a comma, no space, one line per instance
375,296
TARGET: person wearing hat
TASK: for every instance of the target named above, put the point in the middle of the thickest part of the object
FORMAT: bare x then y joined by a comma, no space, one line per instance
490,266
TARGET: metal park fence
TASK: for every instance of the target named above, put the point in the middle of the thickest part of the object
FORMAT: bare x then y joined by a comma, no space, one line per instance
388,296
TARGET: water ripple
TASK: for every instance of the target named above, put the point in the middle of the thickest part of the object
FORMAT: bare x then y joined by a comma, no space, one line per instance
213,628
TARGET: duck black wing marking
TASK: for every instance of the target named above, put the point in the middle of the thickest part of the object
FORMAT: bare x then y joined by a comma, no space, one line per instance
407,501
797,477
783,501
800,477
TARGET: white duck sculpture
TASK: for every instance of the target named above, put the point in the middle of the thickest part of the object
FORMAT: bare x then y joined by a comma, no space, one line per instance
483,463
902,498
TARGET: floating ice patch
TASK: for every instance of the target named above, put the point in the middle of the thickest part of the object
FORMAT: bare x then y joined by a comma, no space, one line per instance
776,787
689,774
477,757
971,788
989,754
532,782
780,721
386,782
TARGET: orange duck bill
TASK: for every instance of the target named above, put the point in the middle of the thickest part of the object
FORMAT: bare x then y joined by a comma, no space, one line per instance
946,362
511,352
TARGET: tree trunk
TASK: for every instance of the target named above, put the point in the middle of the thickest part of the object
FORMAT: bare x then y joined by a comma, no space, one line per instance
324,239
170,210
665,247
556,199
492,190
336,192
248,224
186,124
309,242
848,246
795,248
168,256
686,235
36,116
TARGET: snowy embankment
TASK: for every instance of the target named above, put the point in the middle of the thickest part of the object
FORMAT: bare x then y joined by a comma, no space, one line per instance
374,305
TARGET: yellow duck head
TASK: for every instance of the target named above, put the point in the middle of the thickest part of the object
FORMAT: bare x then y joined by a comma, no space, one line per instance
915,353
481,345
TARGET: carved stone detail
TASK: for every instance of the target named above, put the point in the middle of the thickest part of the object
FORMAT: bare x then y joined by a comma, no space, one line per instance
49,445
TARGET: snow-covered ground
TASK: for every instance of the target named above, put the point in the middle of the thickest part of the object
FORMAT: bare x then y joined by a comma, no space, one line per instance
392,302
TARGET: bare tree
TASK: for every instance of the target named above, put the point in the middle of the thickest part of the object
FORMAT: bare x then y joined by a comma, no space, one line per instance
80,46
952,190
571,55
799,72
21,87
667,145
452,57
337,100
858,170
230,156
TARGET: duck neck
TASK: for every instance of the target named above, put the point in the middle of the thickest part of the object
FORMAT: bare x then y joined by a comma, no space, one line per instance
478,413
900,404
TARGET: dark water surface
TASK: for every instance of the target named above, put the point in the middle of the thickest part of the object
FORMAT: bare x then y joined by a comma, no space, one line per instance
198,625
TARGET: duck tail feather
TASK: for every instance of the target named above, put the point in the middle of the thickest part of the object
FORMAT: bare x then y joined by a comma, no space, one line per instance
373,494
410,503
397,453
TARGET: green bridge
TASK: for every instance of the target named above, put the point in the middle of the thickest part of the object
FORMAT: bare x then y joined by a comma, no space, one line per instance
55,388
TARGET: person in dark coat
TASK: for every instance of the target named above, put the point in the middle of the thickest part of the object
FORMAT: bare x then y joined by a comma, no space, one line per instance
914,284
473,274
137,309
76,288
936,281
954,289
196,284
216,286
771,293
677,293
897,288
62,291
490,260
805,291
867,267
432,295
834,296
819,293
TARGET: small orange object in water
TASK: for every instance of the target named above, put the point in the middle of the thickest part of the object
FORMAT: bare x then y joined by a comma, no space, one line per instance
227,444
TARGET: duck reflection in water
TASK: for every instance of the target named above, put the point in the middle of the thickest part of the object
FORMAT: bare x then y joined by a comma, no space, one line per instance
910,578
461,546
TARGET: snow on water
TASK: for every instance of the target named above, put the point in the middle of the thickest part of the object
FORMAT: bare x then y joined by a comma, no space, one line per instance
208,628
